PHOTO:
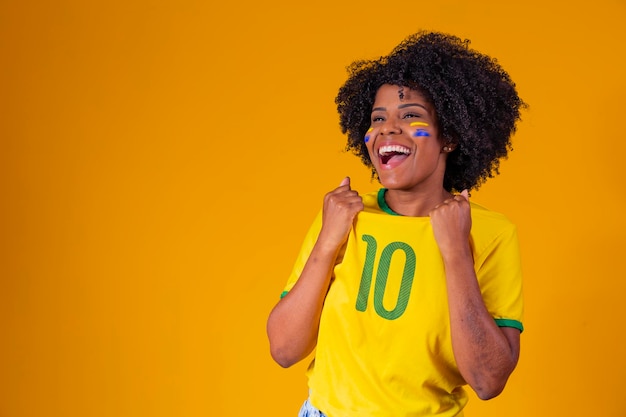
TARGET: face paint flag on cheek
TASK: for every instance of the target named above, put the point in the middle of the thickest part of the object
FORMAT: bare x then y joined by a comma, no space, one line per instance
420,132
367,137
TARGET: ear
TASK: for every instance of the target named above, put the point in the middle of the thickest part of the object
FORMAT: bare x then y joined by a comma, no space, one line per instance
448,147
447,144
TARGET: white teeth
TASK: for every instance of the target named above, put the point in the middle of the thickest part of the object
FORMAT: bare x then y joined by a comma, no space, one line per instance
393,149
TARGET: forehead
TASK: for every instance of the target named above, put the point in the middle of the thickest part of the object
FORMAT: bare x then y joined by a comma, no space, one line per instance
396,93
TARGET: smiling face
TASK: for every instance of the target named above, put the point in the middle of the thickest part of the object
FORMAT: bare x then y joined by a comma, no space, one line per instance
403,143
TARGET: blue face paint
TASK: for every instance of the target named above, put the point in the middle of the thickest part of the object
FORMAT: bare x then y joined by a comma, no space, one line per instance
421,132
367,137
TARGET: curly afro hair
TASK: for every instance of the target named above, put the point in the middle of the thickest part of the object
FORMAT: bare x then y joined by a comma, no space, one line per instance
475,102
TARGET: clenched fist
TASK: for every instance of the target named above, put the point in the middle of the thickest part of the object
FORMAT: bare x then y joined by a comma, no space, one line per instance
452,222
340,208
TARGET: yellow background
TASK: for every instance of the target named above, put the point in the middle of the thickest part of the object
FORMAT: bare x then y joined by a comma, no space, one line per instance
160,162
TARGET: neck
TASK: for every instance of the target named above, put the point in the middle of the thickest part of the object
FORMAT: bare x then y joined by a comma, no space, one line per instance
414,204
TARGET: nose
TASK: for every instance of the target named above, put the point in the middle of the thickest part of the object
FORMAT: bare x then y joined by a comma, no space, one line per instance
390,127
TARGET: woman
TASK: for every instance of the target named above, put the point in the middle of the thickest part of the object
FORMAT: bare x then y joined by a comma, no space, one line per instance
412,292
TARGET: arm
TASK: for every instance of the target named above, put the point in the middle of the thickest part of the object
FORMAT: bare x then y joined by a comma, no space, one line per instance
293,323
485,353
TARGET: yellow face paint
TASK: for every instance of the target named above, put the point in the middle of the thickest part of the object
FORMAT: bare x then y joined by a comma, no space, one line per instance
420,132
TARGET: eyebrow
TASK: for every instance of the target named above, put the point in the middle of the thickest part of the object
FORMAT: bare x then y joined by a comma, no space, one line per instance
401,106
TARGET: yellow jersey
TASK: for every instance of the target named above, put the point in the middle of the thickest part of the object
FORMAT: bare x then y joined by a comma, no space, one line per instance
384,346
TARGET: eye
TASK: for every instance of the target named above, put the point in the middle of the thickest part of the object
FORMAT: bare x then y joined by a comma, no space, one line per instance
377,119
411,116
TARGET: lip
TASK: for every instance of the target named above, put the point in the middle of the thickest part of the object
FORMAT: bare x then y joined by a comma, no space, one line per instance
401,153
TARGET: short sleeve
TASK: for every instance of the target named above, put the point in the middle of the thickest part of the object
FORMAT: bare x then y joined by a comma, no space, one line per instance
499,275
305,251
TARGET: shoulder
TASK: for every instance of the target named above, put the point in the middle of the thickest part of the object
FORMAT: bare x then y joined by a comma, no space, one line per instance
485,216
489,227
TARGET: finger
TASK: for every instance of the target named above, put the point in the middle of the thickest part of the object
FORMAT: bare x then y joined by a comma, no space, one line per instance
345,181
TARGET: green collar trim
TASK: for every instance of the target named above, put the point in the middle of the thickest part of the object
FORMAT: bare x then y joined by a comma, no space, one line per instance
383,204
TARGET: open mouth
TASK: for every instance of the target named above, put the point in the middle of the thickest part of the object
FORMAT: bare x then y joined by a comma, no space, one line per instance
389,153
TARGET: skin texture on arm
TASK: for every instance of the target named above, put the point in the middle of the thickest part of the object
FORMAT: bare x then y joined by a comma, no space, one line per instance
293,324
485,353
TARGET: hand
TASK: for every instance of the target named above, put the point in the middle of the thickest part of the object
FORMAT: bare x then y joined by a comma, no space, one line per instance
452,222
340,208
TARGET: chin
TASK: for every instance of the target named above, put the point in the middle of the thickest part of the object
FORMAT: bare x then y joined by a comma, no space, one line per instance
392,184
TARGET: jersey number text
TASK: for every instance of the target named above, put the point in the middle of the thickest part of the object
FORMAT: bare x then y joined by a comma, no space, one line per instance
382,275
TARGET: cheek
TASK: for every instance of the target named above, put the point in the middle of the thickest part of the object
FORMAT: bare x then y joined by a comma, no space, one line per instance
367,135
420,129
369,145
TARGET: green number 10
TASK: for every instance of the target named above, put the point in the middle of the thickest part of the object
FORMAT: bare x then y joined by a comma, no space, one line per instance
381,278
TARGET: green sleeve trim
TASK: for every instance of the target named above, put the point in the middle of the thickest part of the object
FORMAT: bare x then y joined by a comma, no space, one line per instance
510,323
500,322
383,204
